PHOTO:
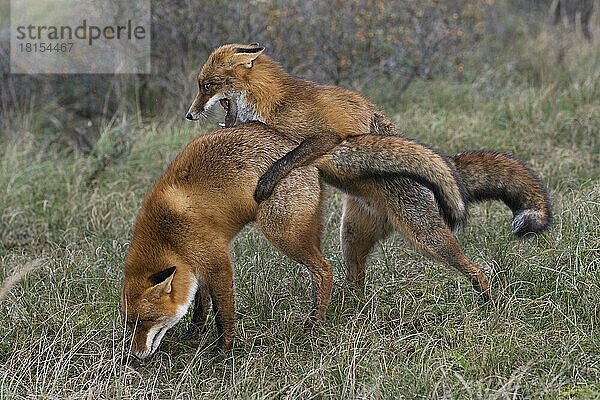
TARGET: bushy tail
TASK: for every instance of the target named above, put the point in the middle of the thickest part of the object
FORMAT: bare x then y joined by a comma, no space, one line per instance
367,156
489,175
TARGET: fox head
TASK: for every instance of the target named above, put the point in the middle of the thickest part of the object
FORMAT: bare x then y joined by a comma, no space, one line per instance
224,79
153,303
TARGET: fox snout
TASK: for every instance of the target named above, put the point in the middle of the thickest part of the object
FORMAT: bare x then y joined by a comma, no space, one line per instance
146,341
196,110
204,102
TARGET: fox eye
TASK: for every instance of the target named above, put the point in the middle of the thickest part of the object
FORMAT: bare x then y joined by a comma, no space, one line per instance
206,87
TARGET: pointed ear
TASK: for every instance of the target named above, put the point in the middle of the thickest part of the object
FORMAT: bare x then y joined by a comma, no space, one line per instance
246,55
162,280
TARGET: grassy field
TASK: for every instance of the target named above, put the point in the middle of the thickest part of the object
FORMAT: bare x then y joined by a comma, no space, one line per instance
417,330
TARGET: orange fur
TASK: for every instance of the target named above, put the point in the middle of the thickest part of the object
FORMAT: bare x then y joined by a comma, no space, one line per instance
318,118
180,245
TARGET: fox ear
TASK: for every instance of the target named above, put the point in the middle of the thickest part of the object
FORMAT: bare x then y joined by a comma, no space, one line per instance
162,280
246,55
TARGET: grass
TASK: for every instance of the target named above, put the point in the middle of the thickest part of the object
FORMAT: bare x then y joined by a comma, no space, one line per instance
416,331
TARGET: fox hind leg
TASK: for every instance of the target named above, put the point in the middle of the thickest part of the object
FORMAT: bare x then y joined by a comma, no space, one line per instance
362,227
414,213
293,225
304,248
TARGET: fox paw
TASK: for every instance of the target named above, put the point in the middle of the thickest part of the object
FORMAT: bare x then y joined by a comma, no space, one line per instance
224,343
194,331
264,188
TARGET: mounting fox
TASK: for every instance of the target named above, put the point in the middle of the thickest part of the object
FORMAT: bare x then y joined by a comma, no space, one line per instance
251,86
180,246
319,118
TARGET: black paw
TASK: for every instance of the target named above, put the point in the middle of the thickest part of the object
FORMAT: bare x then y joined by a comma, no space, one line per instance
194,331
224,344
264,189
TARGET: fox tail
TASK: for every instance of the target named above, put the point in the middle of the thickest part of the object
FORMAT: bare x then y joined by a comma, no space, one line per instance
368,156
489,175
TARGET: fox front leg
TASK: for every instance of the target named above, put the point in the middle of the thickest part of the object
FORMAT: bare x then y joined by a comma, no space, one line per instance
220,285
307,152
200,313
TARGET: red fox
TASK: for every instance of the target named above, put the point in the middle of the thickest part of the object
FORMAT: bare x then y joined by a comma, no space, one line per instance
319,118
180,246
251,86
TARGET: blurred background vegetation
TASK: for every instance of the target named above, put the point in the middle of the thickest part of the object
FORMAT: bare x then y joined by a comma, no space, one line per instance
377,47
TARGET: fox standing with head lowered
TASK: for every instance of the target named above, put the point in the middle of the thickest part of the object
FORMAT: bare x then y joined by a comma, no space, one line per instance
180,246
251,86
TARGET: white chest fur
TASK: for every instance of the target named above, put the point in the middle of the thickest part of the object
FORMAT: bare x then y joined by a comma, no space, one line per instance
246,111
